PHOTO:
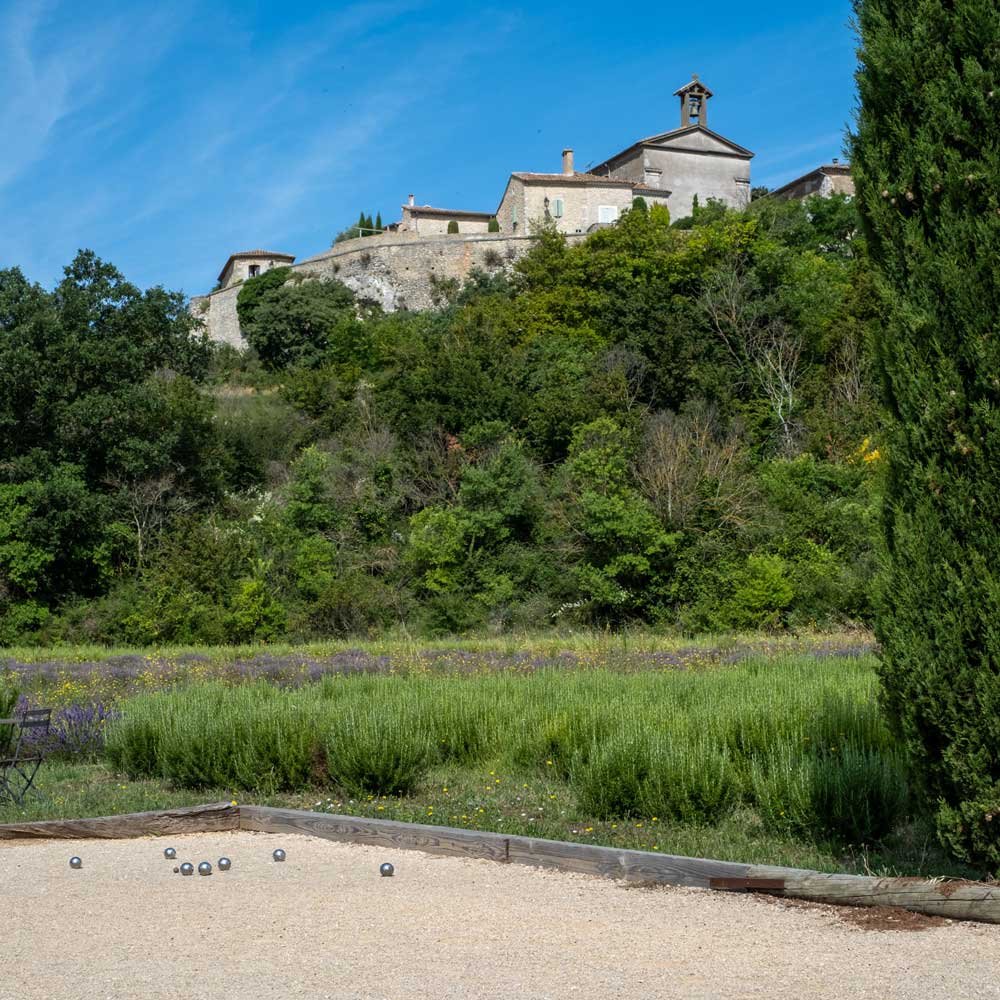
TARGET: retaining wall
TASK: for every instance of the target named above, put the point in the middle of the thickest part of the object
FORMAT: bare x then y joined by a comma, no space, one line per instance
397,271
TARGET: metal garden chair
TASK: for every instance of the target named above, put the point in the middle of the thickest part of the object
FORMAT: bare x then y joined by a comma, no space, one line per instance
23,745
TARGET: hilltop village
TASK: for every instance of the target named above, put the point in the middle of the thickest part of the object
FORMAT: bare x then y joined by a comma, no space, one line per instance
401,267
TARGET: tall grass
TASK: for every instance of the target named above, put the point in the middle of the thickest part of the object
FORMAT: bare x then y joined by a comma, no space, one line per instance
798,740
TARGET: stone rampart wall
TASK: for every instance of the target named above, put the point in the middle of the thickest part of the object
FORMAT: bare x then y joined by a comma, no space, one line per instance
398,271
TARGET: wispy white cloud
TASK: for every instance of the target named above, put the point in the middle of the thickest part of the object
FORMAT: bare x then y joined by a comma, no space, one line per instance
53,66
37,89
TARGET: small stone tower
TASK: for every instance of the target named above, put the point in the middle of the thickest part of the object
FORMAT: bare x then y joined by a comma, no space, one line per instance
694,102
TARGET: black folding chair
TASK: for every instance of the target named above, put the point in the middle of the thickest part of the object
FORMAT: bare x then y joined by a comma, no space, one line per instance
23,745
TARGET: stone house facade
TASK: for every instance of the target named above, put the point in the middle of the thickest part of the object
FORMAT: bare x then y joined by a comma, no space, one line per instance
829,179
571,201
687,161
250,263
426,220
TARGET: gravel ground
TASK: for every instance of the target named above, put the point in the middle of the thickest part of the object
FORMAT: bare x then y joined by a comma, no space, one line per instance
323,924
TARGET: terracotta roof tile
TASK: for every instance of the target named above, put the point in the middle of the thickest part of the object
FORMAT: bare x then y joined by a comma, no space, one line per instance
456,213
572,179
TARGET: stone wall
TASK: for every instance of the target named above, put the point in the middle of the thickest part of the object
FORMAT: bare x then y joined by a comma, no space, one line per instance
398,271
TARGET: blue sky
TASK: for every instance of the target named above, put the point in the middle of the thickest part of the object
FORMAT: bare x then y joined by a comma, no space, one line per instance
166,136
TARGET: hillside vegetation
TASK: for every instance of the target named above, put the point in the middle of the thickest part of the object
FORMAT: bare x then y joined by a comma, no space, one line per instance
659,426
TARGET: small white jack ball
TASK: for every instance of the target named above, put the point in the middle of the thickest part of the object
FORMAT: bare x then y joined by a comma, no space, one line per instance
225,864
385,869
75,862
204,868
170,853
187,868
279,855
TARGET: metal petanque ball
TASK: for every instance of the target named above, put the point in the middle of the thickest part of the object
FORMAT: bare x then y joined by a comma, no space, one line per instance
385,869
75,862
225,864
279,855
187,868
204,868
170,853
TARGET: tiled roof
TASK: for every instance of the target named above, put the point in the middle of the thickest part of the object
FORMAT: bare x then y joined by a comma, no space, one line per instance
244,254
683,130
572,179
839,169
454,213
261,253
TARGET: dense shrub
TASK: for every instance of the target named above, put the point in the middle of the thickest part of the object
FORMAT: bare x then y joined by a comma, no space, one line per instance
799,742
590,436
376,751
926,161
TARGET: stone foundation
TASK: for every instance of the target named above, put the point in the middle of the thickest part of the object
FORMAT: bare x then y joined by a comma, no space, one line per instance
398,271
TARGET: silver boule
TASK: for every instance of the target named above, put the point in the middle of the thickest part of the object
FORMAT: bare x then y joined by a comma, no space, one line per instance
385,869
225,864
187,868
170,853
278,855
75,862
204,868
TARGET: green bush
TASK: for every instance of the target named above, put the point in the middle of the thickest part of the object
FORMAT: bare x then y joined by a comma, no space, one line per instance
801,742
493,226
253,736
609,781
376,751
9,693
690,781
854,796
926,163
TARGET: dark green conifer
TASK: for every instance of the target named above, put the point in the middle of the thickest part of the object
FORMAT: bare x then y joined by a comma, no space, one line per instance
926,164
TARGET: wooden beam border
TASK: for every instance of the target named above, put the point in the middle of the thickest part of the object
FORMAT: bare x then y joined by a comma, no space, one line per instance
954,899
208,818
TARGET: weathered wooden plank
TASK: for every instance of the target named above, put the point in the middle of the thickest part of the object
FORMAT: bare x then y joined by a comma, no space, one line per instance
186,819
380,832
956,900
747,884
635,866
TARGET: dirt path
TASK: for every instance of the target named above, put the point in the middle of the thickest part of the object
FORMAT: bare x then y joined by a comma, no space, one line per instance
323,924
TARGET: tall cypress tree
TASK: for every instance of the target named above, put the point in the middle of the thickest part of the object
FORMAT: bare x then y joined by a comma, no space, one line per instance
926,164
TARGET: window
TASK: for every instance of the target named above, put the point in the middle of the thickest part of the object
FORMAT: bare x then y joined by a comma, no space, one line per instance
253,270
607,214
558,208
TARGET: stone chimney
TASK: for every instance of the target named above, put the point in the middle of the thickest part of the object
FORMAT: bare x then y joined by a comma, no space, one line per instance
568,162
412,200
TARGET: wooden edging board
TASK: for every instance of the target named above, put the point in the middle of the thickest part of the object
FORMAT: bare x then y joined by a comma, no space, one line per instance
188,819
957,900
953,899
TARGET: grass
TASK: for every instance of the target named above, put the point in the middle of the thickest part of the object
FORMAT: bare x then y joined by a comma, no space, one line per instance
740,748
601,645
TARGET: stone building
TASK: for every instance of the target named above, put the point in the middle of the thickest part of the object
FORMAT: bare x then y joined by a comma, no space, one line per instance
829,179
573,202
426,220
250,263
686,161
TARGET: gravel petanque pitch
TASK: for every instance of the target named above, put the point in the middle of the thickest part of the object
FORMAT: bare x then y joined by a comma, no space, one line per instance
325,924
